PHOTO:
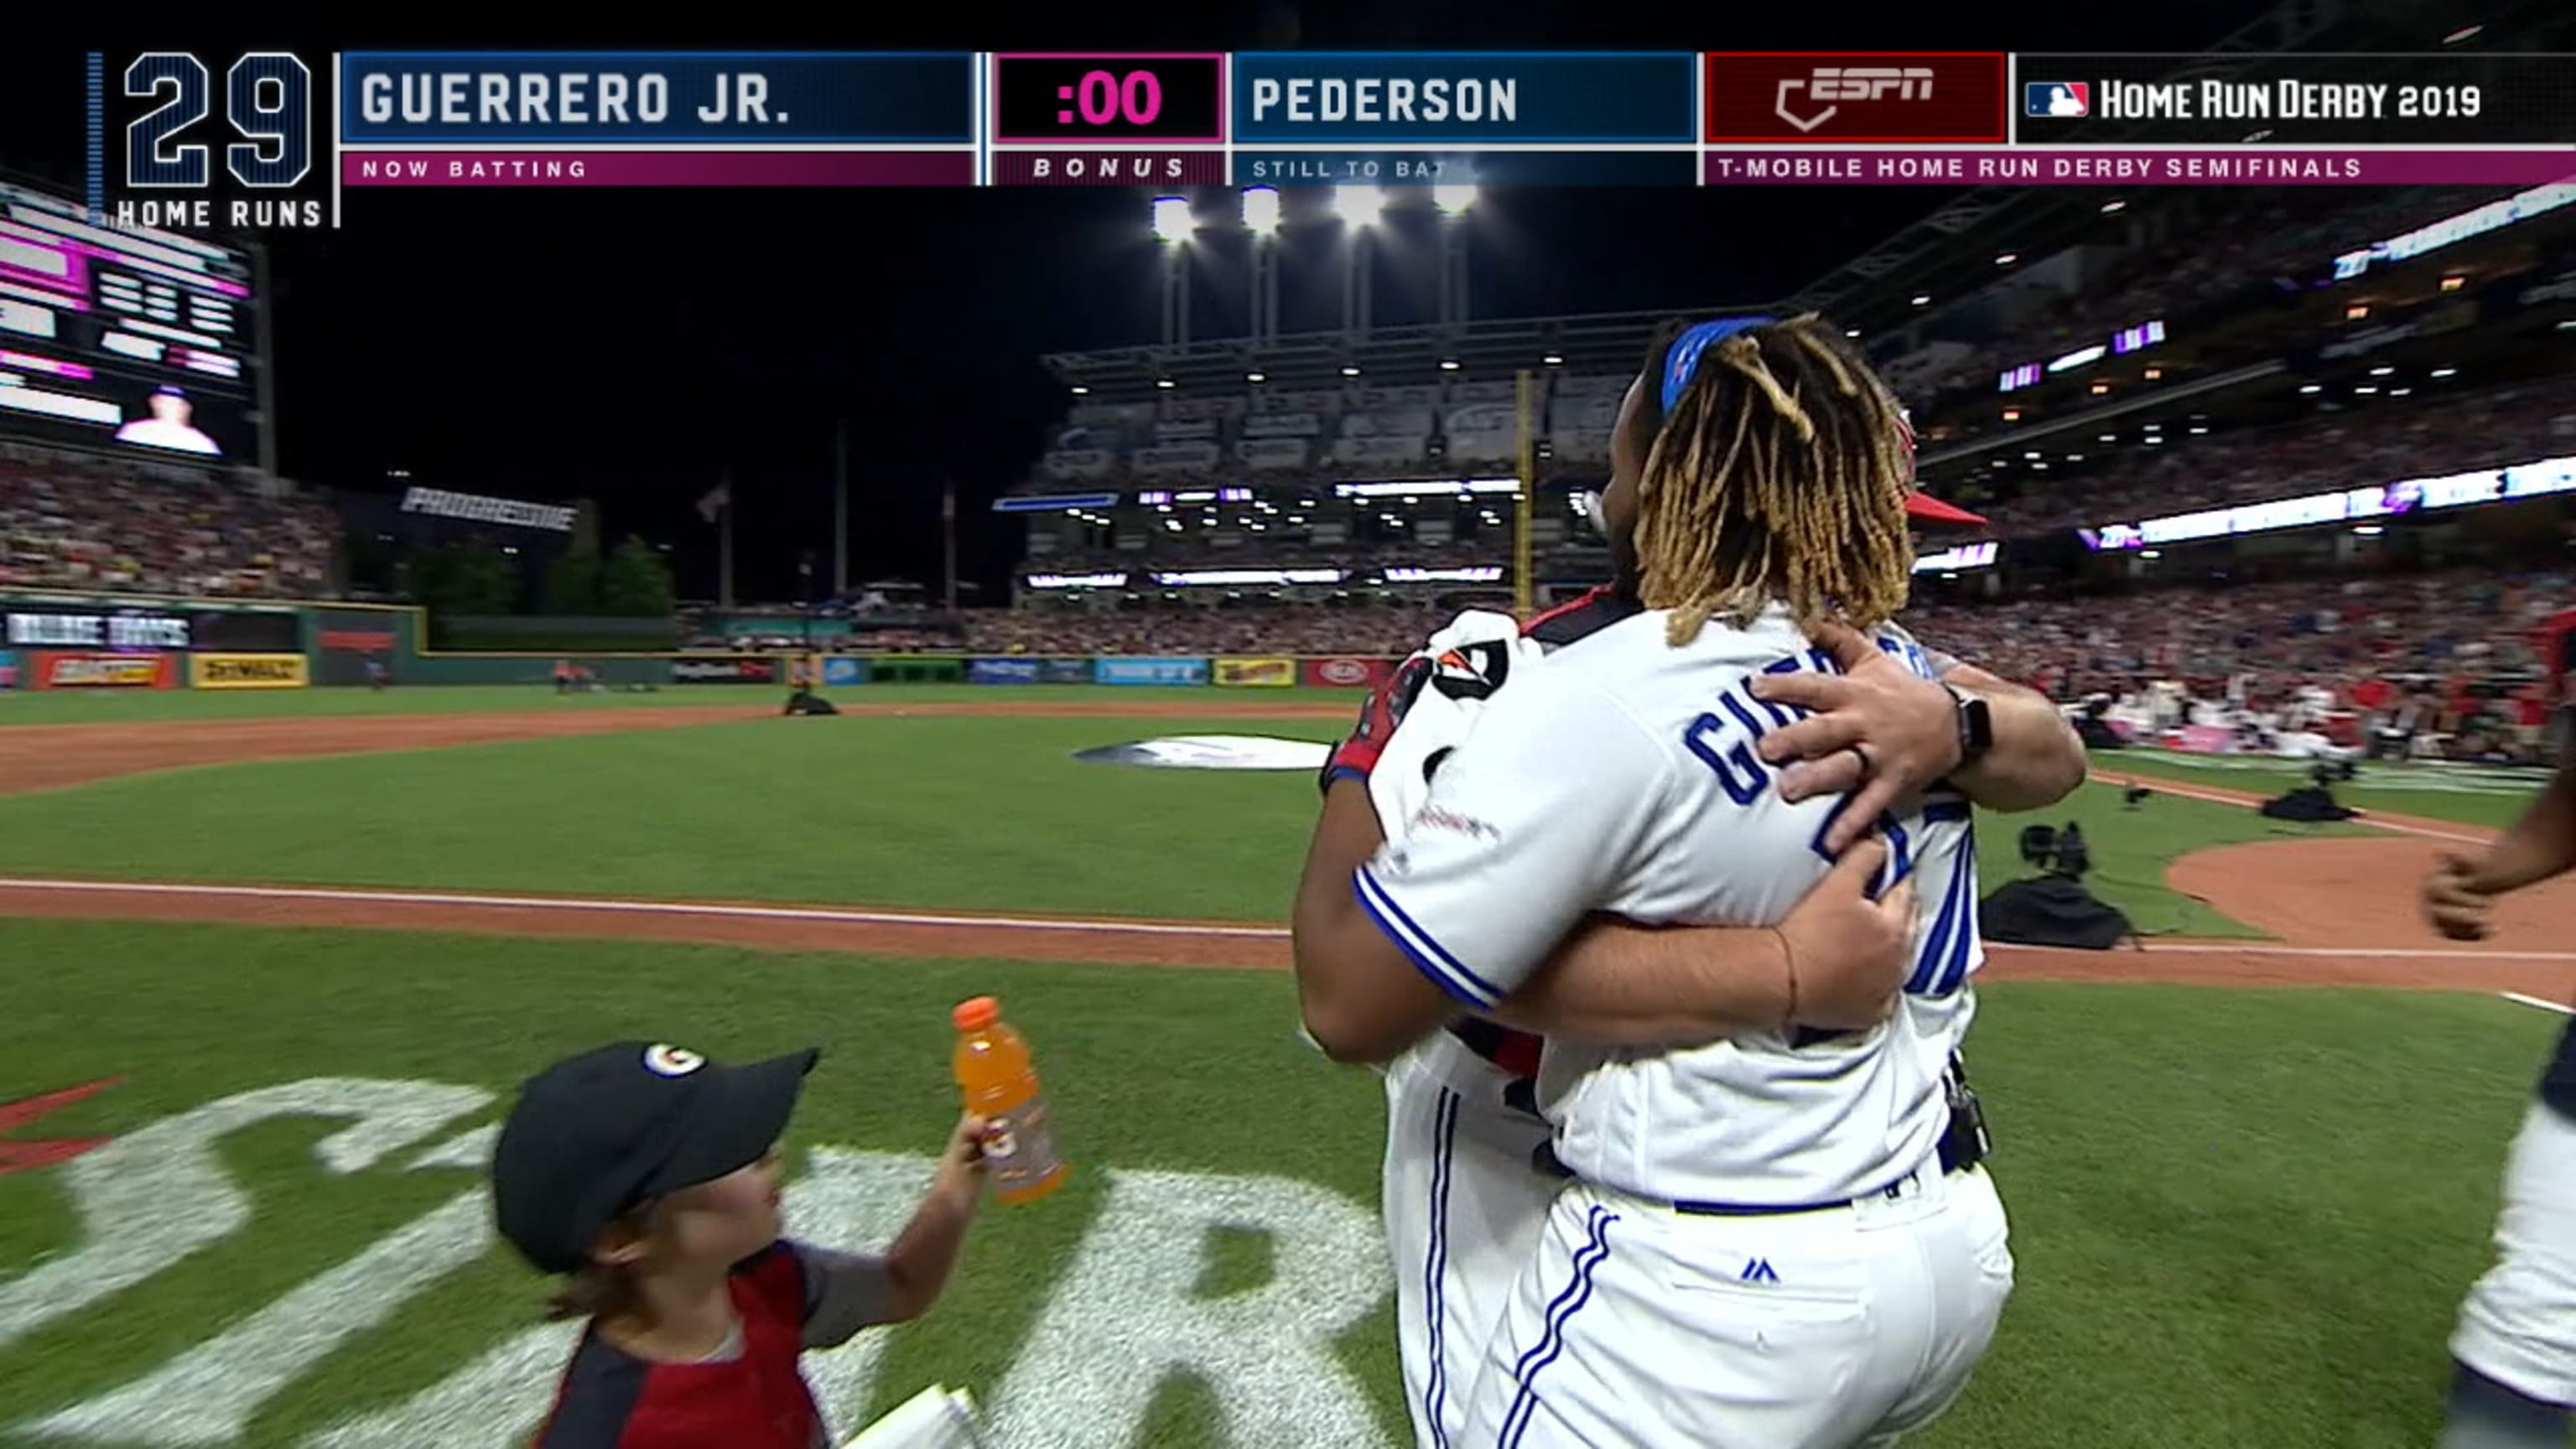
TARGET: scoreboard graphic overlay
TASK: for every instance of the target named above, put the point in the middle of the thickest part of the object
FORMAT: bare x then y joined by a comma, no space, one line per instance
271,139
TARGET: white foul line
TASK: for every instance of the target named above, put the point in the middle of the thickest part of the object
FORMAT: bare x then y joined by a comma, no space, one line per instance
2562,1008
2163,786
862,916
851,916
2207,945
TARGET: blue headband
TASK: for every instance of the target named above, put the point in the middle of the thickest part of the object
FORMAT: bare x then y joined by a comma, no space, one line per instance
1683,360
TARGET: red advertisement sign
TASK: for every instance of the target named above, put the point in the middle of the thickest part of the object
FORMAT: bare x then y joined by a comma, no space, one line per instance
50,670
1341,673
1812,97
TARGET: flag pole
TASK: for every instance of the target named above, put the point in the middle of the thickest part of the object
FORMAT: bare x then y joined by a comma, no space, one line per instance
948,535
724,543
1524,586
841,508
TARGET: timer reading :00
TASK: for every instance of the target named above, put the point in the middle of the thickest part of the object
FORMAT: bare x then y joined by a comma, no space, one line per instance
1105,99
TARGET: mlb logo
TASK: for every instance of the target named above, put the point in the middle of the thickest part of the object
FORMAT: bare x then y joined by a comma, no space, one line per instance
2058,99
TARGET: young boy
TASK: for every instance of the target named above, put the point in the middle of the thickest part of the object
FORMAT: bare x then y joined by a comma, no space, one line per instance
650,1177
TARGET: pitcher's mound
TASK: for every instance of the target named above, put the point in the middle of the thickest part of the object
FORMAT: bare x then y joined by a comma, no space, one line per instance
1212,752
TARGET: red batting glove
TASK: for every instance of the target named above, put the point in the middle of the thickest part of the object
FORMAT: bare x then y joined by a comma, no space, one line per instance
1356,756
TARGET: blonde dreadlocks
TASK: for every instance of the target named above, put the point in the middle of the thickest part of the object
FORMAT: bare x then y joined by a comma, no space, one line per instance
1780,474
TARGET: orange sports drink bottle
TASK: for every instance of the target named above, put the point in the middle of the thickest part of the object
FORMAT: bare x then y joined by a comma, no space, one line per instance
1001,1086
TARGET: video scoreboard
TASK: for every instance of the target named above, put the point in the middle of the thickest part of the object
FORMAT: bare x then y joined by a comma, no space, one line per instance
271,139
125,338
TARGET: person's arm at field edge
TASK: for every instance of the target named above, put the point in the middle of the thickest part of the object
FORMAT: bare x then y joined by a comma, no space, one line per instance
2542,844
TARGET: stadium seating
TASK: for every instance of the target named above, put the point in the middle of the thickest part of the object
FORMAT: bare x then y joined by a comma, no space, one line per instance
71,521
2428,434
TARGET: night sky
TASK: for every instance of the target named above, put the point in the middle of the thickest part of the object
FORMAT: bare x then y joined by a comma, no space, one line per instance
630,346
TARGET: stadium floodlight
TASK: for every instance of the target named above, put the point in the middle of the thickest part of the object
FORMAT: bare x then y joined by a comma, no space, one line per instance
1922,299
1172,220
2006,259
1448,364
1256,377
2312,389
1359,205
1079,390
1349,371
1453,200
1261,209
1164,382
2443,371
1553,360
1851,332
2382,370
2114,206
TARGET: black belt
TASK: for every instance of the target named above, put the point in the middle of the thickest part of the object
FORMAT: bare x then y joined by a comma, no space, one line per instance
1481,1036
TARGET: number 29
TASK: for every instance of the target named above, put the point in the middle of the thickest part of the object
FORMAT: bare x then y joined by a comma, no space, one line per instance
268,97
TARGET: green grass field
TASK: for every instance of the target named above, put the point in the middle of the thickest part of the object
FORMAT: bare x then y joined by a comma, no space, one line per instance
71,706
2242,1217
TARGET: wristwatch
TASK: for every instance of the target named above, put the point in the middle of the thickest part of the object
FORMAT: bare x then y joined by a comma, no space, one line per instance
1976,725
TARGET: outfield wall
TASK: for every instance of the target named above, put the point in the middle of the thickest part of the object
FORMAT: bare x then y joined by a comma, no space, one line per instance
58,639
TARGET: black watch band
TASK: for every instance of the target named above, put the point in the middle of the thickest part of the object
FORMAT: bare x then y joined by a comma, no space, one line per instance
1976,726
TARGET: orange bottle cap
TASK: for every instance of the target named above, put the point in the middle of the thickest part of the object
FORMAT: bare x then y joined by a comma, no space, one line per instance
977,1014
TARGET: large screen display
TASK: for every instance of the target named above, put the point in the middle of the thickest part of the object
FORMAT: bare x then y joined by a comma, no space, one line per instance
129,339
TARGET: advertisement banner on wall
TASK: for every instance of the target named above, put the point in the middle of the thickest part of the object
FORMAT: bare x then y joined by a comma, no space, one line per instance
1256,673
8,669
1343,673
841,673
247,671
51,670
1001,671
724,669
346,641
1064,671
1149,670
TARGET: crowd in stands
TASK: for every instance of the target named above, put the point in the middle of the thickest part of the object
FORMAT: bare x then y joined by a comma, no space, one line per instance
2460,621
70,521
2426,435
1372,630
1276,548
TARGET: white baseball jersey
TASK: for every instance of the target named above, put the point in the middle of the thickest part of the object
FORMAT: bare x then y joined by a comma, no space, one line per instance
1623,778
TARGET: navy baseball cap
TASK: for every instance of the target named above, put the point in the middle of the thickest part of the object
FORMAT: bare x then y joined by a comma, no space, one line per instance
598,1135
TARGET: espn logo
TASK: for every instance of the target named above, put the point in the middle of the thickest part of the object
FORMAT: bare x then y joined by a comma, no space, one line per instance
1774,97
1854,83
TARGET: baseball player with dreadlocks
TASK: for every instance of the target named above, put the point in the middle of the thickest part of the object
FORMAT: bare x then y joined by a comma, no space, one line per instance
1780,1237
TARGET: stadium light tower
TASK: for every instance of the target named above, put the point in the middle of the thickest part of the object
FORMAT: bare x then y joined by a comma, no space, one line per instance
1261,217
1453,203
1172,227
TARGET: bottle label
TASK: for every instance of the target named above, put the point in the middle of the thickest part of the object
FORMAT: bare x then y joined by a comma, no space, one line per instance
1020,1150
